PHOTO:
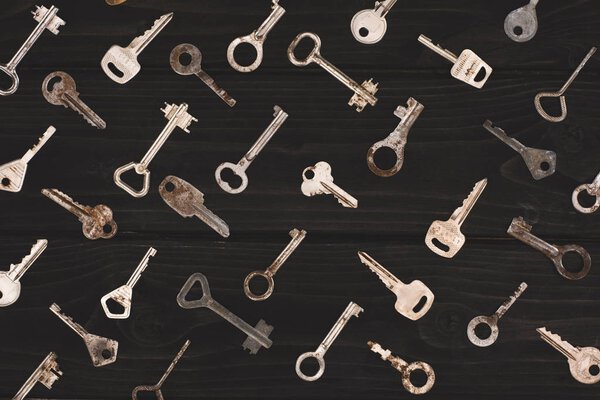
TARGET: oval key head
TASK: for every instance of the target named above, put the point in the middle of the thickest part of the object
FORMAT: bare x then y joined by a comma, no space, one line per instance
12,74
409,296
492,322
521,24
238,171
187,287
270,285
314,53
9,290
581,368
585,257
367,27
55,84
592,191
195,59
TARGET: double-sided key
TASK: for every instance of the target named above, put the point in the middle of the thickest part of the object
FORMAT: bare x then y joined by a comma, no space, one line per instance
10,285
258,336
318,180
521,24
369,26
47,373
592,189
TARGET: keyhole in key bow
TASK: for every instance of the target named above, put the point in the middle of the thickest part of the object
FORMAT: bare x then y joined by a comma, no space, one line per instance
517,30
106,354
52,82
310,366
594,370
363,32
585,200
245,54
185,59
483,331
418,378
544,166
385,158
112,67
259,284
107,229
480,75
5,182
114,307
572,262
169,187
230,177
420,305
440,245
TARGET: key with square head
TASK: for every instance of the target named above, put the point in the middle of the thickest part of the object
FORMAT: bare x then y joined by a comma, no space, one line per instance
369,26
318,180
521,24
592,189
10,285
47,373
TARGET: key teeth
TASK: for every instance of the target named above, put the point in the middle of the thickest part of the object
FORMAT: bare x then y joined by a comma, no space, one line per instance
252,345
140,38
41,243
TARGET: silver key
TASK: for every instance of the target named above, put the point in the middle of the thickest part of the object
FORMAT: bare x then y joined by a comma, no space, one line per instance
103,351
47,19
363,94
47,373
592,189
240,168
178,117
123,295
492,320
10,285
258,336
318,180
521,24
352,310
369,26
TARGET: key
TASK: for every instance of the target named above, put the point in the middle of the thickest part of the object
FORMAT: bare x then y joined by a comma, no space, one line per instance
120,63
47,19
256,39
63,93
318,180
194,68
363,94
103,351
123,295
188,201
369,26
178,118
10,285
592,189
413,300
352,310
297,238
396,141
521,24
541,163
115,2
97,221
447,233
257,336
12,174
492,320
47,373
468,66
240,168
521,230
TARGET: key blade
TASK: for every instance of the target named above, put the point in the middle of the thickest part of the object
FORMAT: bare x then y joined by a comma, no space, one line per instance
65,202
254,343
554,340
139,43
500,134
511,300
388,279
461,213
42,141
376,348
17,270
212,220
344,198
142,265
71,99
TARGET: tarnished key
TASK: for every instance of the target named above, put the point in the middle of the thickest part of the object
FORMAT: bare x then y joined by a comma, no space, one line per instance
123,295
592,189
47,19
103,351
521,24
369,26
448,232
120,63
318,180
10,285
115,2
363,94
521,230
297,238
413,300
97,221
258,336
240,168
188,201
46,373
352,310
12,174
492,320
541,163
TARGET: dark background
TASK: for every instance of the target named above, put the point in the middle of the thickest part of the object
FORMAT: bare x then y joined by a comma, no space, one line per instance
447,152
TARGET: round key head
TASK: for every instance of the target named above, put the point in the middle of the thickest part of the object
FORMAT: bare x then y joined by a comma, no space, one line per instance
258,47
521,24
318,374
585,257
195,59
418,366
491,322
238,171
258,297
398,151
592,191
367,27
586,365
55,84
9,290
12,74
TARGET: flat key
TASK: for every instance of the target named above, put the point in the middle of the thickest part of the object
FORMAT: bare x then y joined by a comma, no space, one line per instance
115,2
369,26
10,285
521,24
47,373
592,189
318,180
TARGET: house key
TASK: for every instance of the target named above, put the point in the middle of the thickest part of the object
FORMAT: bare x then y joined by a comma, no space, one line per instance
593,189
10,286
318,180
369,26
46,373
521,24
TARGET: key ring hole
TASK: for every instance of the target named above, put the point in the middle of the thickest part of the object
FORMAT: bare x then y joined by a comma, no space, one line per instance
107,228
442,246
385,158
5,182
572,262
518,30
594,370
245,54
363,32
169,187
185,59
304,46
483,331
481,74
51,82
106,354
418,378
234,180
258,289
115,308
116,71
319,368
544,166
309,174
585,199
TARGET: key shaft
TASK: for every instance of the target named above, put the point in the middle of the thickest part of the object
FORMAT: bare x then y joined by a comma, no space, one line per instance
18,270
47,373
461,213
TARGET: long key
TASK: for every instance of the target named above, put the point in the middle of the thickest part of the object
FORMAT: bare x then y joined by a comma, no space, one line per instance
10,285
369,26
47,373
178,117
240,168
123,295
592,189
258,336
318,180
363,94
103,351
492,320
521,24
47,19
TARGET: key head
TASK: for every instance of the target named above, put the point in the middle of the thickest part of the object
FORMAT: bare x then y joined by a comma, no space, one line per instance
238,171
55,85
318,374
313,178
115,2
196,58
591,190
12,176
103,351
521,24
120,64
468,67
418,366
99,224
312,56
180,195
12,74
558,261
359,101
263,296
368,27
206,298
254,42
492,322
146,388
585,361
410,296
9,290
448,234
251,344
541,163
122,296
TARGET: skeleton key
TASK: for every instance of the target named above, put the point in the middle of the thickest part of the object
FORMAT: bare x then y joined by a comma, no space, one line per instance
47,19
592,189
396,141
297,238
240,168
258,336
10,285
188,201
318,180
124,294
541,163
120,63
12,174
448,232
492,320
103,351
467,66
363,94
521,24
256,39
369,26
521,230
178,117
352,310
46,373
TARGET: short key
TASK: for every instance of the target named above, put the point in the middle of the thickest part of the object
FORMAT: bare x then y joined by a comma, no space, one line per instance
321,182
47,373
369,26
521,24
10,285
592,189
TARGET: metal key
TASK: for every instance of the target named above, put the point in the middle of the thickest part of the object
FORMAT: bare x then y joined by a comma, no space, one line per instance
97,221
369,26
492,320
521,230
120,63
521,24
178,117
12,174
188,201
47,19
103,351
592,189
318,180
448,232
258,336
256,39
297,238
63,93
115,2
541,163
123,295
240,168
409,297
396,141
46,373
363,94
467,66
10,285
352,310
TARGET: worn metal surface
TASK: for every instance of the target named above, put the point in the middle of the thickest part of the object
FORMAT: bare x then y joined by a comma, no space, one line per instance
317,180
521,24
47,373
592,189
10,285
369,26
